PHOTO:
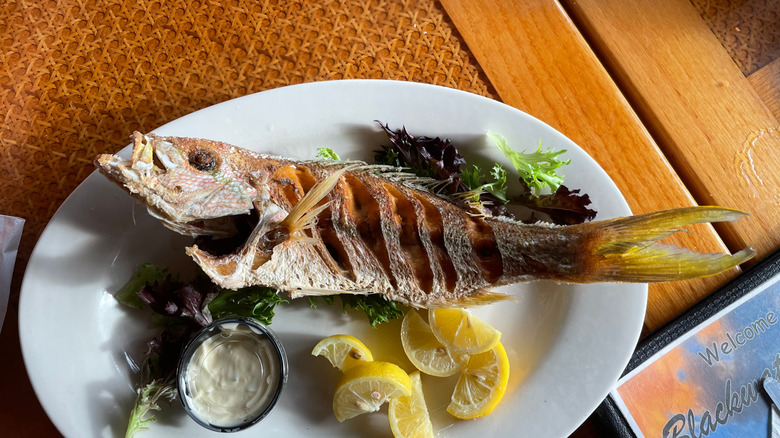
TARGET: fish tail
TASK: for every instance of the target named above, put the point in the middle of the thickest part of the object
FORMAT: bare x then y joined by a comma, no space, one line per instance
627,249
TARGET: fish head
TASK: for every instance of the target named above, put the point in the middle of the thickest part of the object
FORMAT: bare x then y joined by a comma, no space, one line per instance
193,186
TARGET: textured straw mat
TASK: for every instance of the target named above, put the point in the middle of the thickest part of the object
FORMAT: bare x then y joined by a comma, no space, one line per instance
748,29
78,77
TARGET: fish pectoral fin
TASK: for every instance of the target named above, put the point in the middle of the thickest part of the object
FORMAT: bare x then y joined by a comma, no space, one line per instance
308,219
305,212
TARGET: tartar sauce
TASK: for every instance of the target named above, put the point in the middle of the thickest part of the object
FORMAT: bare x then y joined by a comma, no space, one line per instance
234,375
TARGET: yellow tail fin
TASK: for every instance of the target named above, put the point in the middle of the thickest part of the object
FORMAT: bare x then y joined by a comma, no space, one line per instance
626,249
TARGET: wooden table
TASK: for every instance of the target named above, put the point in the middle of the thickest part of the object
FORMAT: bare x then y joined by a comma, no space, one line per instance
677,100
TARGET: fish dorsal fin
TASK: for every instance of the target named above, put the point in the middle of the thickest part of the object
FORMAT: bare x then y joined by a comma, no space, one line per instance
331,164
306,210
400,175
403,175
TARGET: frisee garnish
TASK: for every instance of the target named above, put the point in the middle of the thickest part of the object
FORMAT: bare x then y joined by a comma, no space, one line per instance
326,153
148,399
158,375
537,169
476,182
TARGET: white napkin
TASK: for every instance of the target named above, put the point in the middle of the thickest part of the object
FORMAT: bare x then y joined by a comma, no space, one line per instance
10,234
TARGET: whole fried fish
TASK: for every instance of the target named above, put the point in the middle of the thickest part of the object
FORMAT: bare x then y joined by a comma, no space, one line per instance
329,227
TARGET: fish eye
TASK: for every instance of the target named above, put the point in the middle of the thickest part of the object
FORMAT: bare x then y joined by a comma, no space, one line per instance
202,160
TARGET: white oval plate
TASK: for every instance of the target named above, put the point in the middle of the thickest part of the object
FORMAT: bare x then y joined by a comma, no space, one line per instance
567,344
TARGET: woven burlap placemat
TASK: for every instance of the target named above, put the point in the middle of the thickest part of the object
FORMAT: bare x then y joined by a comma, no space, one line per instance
78,77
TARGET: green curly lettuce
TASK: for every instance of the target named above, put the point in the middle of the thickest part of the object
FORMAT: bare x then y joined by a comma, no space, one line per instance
537,169
475,181
326,153
148,399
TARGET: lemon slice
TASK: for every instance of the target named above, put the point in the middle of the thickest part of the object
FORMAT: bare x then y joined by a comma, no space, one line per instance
481,385
425,351
409,415
343,351
365,387
461,331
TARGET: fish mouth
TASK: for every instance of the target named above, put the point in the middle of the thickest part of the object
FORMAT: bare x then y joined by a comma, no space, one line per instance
151,157
147,160
136,175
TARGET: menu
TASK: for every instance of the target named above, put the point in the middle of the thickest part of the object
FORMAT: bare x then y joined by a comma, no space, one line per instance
707,382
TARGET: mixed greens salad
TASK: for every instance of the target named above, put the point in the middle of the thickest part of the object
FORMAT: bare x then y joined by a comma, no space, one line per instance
181,308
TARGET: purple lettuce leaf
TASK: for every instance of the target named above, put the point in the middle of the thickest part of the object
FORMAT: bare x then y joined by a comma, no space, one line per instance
564,207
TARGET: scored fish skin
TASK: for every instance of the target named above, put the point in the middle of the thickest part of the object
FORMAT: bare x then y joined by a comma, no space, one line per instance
327,227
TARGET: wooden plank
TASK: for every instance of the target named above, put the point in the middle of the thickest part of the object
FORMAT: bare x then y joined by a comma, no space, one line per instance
706,117
766,82
538,62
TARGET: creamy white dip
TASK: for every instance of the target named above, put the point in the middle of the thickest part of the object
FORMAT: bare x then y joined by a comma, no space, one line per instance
233,376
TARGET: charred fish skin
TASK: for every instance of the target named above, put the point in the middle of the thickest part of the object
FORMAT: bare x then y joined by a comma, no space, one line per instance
346,227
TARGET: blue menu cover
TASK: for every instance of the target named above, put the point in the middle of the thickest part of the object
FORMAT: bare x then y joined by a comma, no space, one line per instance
701,375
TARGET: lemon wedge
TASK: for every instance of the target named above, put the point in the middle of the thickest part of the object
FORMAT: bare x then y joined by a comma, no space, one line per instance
425,351
481,385
461,331
366,386
343,351
409,415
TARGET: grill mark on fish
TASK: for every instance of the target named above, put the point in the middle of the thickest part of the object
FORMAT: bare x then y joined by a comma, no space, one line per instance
400,268
305,178
290,191
412,249
485,249
460,250
367,218
362,260
333,244
436,285
331,254
433,231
